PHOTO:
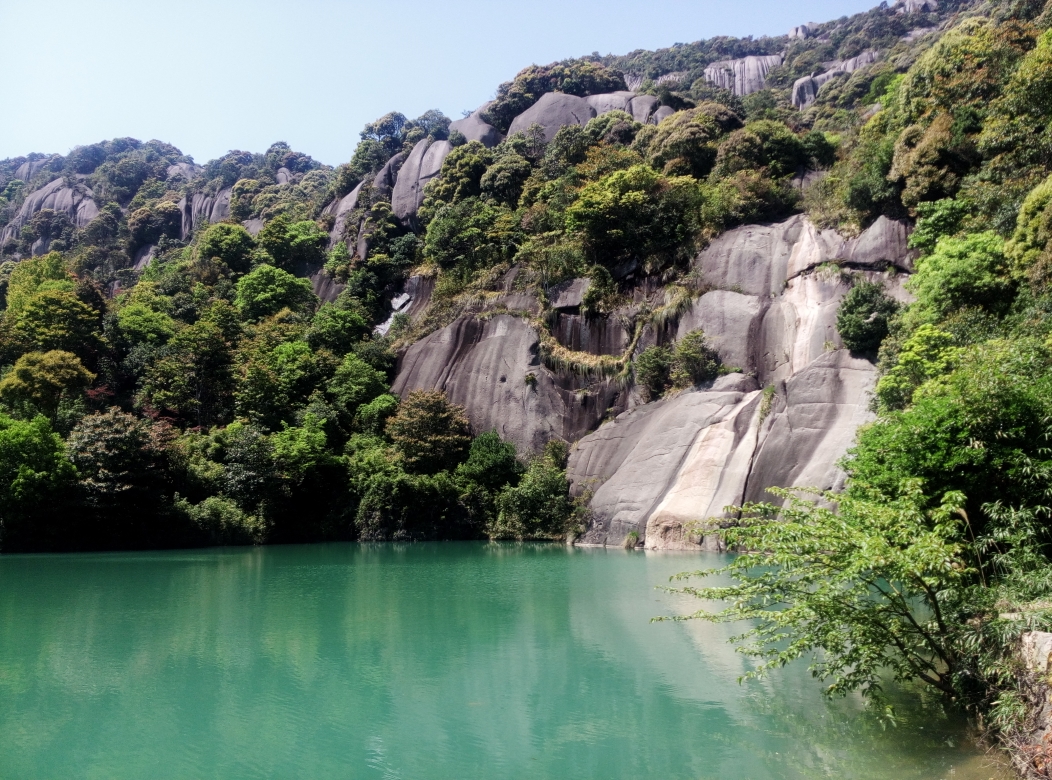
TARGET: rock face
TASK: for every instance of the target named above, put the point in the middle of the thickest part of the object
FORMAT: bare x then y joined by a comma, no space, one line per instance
806,89
804,31
744,76
641,107
27,170
341,209
201,208
75,202
493,368
184,171
660,468
915,6
553,111
422,165
475,128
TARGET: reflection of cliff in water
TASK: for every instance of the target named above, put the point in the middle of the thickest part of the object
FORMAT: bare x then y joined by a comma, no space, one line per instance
455,660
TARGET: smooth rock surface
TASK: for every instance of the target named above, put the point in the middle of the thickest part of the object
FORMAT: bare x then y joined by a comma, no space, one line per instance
341,210
423,164
743,76
27,170
553,111
806,89
483,365
201,207
662,470
75,202
475,128
569,294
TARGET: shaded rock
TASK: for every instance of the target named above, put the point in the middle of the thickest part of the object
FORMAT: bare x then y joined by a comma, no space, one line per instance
661,468
143,257
643,107
475,128
611,101
341,210
885,241
914,6
325,287
283,176
662,113
553,111
201,207
804,31
423,164
568,294
599,336
384,181
484,365
253,226
75,202
743,76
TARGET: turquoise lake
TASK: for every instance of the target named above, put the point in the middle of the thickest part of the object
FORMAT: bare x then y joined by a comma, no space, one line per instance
430,661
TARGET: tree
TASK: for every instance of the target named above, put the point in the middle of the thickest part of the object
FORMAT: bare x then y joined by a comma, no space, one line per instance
337,329
40,381
430,433
863,316
274,381
504,180
968,271
763,144
538,507
868,589
191,376
140,324
294,246
48,272
491,463
355,383
34,476
230,244
267,290
57,320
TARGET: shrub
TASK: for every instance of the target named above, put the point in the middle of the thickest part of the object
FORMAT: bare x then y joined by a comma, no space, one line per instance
538,507
429,432
968,271
652,368
40,381
693,361
230,244
863,316
267,290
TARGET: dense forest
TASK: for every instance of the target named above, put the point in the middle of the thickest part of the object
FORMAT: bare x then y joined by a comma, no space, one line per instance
169,380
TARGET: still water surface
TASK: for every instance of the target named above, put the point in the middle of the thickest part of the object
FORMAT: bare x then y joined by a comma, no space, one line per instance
420,662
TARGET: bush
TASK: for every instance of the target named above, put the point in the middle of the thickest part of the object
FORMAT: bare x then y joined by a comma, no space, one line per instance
538,507
40,381
863,316
267,290
961,272
693,361
652,369
491,462
230,244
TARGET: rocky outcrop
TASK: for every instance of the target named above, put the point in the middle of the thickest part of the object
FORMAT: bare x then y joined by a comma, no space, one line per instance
27,170
475,128
914,6
75,201
185,171
493,368
201,207
806,89
804,31
553,111
384,181
665,470
640,107
743,76
770,311
341,210
423,164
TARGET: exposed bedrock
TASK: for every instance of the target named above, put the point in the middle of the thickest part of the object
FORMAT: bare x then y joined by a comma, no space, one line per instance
201,207
493,368
75,202
743,76
341,210
423,164
475,128
806,89
662,470
553,111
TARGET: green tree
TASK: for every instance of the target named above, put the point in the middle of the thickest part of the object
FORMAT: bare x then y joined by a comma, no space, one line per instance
967,271
429,432
863,316
538,507
140,324
230,244
294,246
34,476
491,463
48,272
693,361
652,367
54,319
355,383
337,329
40,381
267,290
504,180
191,377
926,354
274,381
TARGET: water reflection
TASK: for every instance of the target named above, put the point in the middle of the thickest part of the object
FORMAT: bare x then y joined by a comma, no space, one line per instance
425,661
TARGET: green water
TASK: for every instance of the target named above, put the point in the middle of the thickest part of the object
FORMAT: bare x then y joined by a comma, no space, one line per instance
429,661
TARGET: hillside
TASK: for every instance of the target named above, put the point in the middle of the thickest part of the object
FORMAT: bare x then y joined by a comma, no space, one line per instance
624,295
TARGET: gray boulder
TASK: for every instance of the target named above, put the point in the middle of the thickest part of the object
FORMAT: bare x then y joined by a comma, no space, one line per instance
553,111
642,108
253,225
384,181
743,76
475,128
914,6
27,170
284,176
76,202
185,171
803,32
662,113
423,164
611,101
568,294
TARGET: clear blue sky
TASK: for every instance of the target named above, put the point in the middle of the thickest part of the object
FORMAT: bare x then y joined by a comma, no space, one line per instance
214,75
